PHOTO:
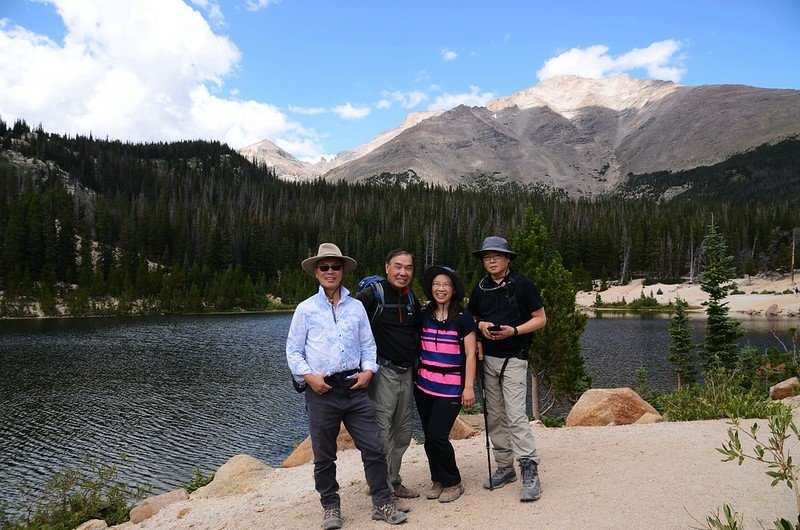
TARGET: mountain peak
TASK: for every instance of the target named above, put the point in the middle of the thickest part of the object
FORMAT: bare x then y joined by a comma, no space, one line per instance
567,94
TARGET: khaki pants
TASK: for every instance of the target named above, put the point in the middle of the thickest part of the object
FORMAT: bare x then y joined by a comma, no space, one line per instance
509,427
392,395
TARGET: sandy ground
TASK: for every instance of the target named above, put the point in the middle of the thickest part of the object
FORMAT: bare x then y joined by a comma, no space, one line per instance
665,475
751,303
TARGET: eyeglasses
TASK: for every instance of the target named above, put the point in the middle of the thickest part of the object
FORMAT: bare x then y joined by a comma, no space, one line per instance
490,257
335,266
442,284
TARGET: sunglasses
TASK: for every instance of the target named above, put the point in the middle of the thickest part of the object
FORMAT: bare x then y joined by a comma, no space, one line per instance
324,268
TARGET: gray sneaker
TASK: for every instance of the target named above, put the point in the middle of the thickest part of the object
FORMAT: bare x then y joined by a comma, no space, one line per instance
389,513
531,486
332,519
501,477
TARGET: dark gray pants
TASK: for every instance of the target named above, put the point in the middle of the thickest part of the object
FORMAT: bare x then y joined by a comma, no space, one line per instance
355,409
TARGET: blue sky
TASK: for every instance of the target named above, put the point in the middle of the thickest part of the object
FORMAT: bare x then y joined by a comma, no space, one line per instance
318,77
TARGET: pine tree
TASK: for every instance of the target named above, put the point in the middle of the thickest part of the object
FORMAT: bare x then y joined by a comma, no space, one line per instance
722,332
555,357
680,345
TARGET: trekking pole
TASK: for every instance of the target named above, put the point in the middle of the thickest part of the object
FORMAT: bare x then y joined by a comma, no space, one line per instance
482,381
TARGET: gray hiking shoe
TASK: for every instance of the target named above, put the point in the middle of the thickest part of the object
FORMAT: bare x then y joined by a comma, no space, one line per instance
501,477
389,513
531,486
401,504
332,519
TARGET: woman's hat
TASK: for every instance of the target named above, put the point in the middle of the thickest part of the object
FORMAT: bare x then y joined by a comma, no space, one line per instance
328,250
496,244
435,270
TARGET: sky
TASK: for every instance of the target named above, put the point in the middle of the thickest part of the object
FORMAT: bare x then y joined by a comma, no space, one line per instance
319,77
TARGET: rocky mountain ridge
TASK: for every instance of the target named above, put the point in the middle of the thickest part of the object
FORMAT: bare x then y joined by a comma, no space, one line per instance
583,136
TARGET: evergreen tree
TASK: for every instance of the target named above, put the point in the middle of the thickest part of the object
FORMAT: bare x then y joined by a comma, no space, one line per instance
555,357
722,332
680,345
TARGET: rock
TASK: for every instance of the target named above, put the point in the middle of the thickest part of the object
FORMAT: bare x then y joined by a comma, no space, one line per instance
303,454
608,406
152,505
461,430
784,389
92,524
238,475
649,417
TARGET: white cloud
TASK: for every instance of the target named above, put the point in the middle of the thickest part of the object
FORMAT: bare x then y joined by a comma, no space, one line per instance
214,11
349,112
140,70
383,104
307,111
407,100
660,60
475,98
449,55
258,5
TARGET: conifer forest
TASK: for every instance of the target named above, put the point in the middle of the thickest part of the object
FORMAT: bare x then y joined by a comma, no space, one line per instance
101,226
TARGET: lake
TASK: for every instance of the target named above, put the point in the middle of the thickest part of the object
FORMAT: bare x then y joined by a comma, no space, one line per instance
161,396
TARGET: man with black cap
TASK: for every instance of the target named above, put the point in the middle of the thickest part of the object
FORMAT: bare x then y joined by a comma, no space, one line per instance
507,308
331,350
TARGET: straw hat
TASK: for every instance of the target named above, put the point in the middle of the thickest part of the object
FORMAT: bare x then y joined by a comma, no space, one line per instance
328,250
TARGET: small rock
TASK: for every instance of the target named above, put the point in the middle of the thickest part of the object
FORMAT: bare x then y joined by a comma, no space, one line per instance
152,505
788,388
93,524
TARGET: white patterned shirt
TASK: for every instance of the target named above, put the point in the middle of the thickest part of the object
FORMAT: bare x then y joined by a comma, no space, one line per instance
325,339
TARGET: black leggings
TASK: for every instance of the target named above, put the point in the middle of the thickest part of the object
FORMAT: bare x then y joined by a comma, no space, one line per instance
438,415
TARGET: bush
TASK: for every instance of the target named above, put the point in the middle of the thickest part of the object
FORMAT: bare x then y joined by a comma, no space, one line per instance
722,396
74,496
198,480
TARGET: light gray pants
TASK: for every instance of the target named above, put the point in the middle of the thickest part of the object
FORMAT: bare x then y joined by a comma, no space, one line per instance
509,427
392,395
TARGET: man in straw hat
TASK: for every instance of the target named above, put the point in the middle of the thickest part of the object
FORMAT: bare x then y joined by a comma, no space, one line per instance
507,308
330,349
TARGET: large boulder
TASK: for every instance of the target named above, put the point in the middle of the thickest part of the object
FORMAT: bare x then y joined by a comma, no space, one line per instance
609,406
784,389
240,474
152,505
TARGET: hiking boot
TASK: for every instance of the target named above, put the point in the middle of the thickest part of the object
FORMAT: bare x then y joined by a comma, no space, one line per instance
451,493
434,491
389,513
401,504
531,486
405,493
332,519
501,477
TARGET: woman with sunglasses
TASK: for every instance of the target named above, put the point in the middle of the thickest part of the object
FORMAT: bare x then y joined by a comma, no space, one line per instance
445,375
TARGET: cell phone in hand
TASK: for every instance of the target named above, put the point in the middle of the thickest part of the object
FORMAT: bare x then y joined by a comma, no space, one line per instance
495,328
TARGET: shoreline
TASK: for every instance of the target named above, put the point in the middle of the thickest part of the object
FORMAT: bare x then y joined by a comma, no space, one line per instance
760,298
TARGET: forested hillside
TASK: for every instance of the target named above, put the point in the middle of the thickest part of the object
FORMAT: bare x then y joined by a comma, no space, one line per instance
106,226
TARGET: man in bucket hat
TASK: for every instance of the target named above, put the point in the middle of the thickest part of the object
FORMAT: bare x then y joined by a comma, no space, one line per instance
507,308
330,348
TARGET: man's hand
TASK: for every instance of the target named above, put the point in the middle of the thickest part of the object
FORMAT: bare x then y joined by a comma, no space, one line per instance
316,383
362,379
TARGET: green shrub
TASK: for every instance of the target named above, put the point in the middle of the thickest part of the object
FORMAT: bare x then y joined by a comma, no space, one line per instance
722,396
73,496
774,453
198,480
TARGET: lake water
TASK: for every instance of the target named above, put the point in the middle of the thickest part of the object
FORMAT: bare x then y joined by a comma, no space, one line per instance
161,396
